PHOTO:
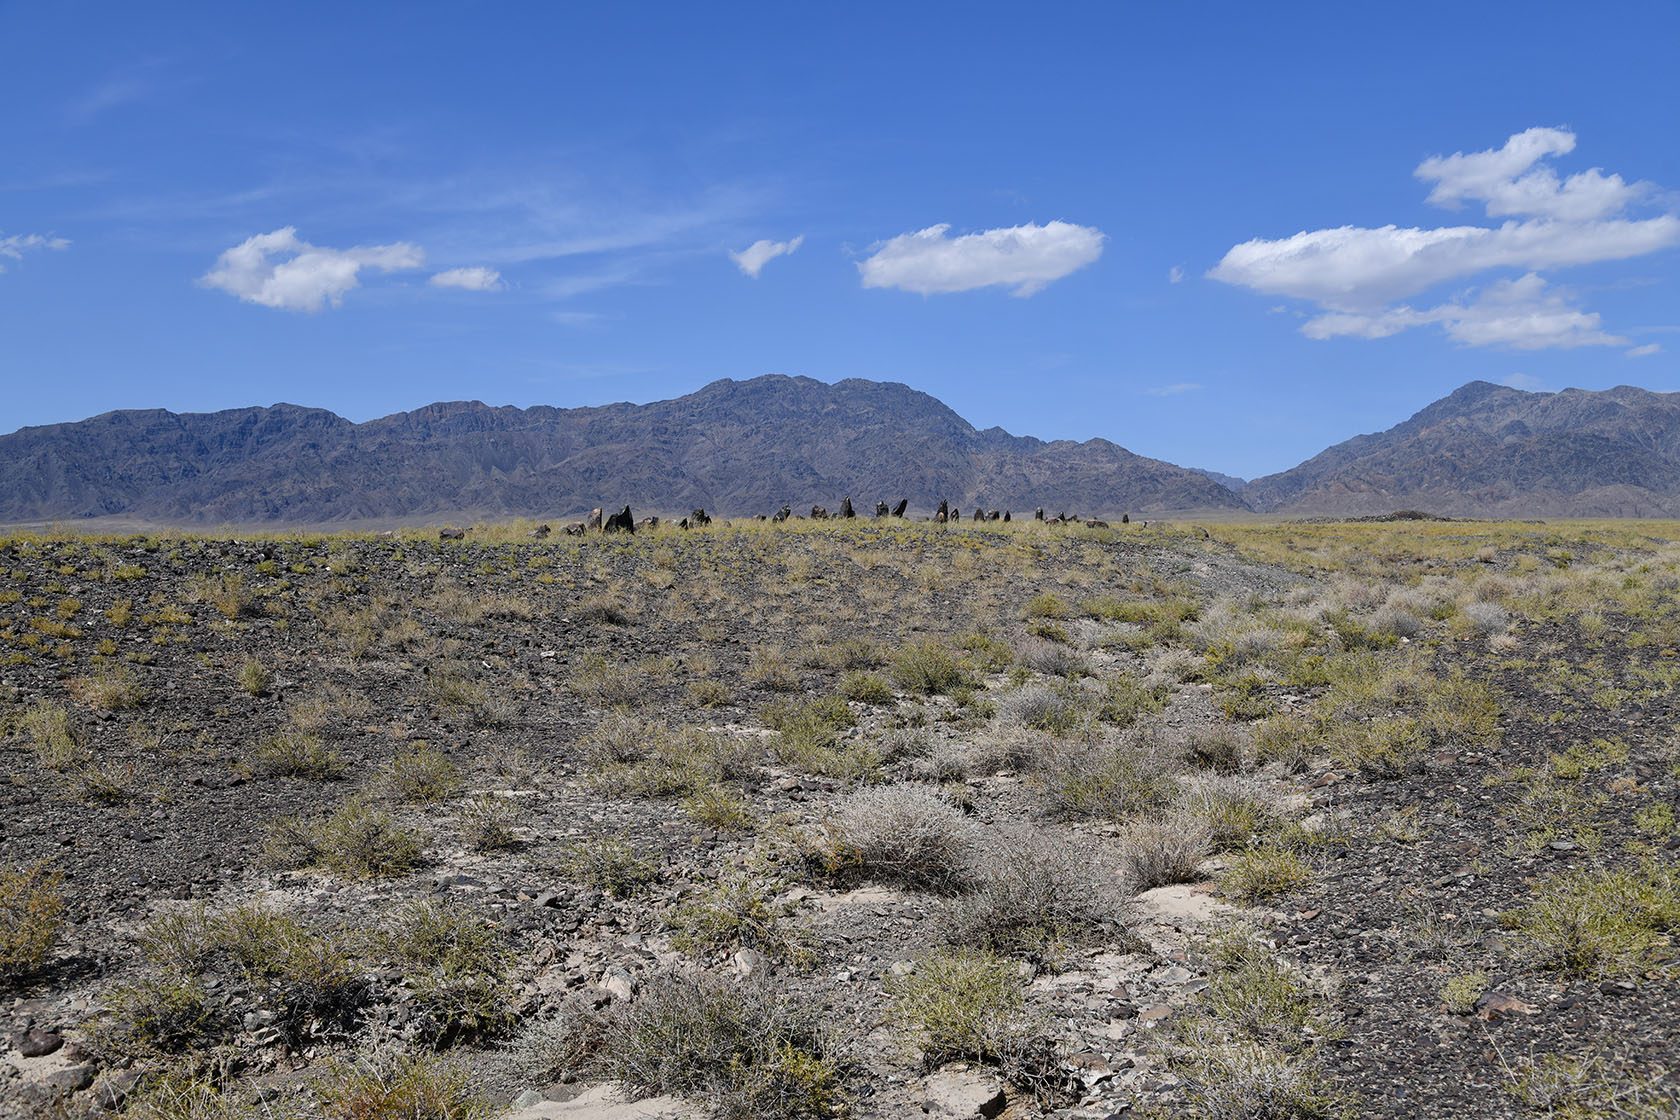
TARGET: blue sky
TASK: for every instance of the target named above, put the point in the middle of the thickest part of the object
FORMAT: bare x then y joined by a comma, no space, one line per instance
1167,226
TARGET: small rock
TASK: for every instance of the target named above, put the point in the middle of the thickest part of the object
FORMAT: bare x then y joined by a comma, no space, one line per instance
1563,845
71,1080
1494,1006
530,1098
963,1093
750,963
37,1044
1154,1014
619,984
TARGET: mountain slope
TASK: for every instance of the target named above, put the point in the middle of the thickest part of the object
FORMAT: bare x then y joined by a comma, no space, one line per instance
739,447
1488,450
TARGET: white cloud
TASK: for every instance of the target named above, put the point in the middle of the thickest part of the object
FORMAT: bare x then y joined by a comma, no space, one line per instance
1175,275
17,244
278,270
1174,389
472,279
1354,269
754,257
1025,258
1503,180
1356,274
1644,351
1528,383
1523,314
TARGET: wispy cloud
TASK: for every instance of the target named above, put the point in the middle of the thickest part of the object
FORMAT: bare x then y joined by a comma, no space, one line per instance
17,244
1523,314
130,83
1356,274
279,270
1644,351
576,318
473,279
1023,258
1175,389
754,257
1175,274
1526,382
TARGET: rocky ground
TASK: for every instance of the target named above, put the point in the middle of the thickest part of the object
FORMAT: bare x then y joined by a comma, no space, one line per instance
883,819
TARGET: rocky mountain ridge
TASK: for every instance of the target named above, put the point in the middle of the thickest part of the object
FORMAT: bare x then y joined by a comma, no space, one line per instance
746,447
735,447
1489,450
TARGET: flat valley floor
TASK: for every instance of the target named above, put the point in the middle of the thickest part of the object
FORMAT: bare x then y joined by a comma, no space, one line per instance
871,818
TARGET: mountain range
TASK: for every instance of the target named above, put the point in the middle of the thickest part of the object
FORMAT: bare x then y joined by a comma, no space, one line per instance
746,447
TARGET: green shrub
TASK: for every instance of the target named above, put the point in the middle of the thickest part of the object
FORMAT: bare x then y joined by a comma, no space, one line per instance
1254,993
299,971
961,1005
254,677
1046,604
928,668
358,841
720,808
740,910
422,774
811,739
1125,700
748,1053
1263,872
1383,748
1107,780
160,1010
455,963
1461,993
1599,923
607,865
986,653
1235,811
31,903
662,763
488,822
709,694
56,742
109,689
865,688
294,754
417,1087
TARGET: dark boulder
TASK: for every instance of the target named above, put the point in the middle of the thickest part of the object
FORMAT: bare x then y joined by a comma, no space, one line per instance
846,508
903,504
621,522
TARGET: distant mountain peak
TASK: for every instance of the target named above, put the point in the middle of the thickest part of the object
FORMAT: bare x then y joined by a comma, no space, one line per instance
737,447
1492,450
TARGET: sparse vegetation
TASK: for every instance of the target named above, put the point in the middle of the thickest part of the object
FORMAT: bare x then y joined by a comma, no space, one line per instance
31,909
862,759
